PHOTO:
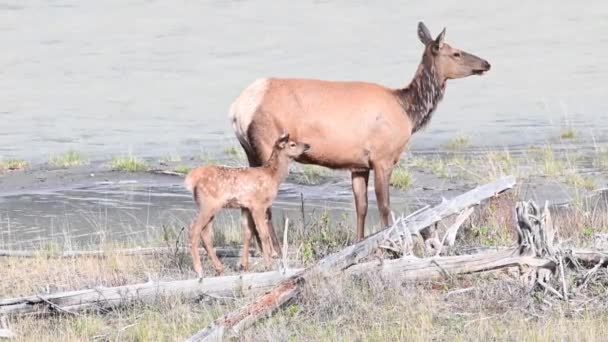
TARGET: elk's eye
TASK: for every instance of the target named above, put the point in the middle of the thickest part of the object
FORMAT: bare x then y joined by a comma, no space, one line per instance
457,54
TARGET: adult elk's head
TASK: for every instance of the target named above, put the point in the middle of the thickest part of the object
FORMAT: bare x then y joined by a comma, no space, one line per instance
450,62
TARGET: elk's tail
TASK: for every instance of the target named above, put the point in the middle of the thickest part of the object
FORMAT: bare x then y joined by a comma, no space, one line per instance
190,181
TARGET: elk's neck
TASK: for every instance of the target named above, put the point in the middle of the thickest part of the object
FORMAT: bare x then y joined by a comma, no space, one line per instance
420,98
277,166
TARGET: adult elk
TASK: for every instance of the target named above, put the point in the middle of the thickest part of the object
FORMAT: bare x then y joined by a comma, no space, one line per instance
358,126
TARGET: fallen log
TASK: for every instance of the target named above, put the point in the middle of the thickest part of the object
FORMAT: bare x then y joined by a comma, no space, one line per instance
416,269
106,298
409,268
353,254
222,252
587,258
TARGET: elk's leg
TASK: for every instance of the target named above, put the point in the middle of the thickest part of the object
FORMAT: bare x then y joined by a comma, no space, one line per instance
194,235
360,180
382,176
275,246
207,236
259,217
248,232
247,223
256,157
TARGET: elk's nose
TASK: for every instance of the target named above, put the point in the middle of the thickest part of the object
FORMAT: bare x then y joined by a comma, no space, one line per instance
486,65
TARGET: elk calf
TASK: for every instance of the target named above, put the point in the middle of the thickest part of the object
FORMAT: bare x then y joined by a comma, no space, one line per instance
249,188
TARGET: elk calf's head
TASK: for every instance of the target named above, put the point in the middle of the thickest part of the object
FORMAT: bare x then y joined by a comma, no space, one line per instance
290,148
450,62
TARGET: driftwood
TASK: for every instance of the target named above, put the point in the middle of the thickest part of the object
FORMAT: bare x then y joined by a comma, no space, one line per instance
413,225
409,268
222,252
106,298
236,321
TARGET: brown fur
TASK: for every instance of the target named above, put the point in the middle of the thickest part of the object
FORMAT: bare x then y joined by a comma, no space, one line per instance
250,188
358,126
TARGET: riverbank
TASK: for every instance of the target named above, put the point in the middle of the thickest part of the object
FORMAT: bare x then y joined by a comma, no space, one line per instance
74,203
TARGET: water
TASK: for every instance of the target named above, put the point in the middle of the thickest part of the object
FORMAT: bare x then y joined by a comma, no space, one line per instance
140,213
157,77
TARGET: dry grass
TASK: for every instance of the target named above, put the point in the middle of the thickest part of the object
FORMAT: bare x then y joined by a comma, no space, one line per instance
495,307
364,308
374,309
25,276
169,319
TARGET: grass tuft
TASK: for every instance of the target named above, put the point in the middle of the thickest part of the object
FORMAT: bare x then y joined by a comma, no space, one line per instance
13,164
128,163
568,133
311,174
183,169
401,177
458,143
68,159
580,181
173,158
235,153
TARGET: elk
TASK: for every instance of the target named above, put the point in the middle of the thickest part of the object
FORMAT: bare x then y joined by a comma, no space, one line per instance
358,126
250,188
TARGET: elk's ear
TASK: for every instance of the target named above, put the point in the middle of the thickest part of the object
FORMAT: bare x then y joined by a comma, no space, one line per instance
440,37
283,139
424,34
439,41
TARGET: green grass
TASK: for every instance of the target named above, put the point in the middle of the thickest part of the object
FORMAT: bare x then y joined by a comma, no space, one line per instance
235,153
13,164
458,143
551,165
401,177
580,181
601,159
183,169
567,133
311,174
128,163
208,158
68,159
440,168
173,158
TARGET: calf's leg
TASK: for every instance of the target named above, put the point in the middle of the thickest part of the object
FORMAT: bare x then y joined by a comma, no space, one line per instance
194,234
207,236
